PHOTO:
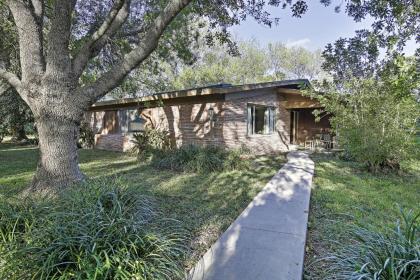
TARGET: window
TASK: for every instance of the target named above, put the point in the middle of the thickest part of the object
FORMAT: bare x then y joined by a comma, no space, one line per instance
261,119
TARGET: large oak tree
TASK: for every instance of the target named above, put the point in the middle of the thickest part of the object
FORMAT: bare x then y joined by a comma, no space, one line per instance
61,42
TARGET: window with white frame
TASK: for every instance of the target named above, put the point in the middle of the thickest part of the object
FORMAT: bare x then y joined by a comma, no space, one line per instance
260,119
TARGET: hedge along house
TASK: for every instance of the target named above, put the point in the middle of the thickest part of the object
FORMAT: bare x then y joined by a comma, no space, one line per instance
265,117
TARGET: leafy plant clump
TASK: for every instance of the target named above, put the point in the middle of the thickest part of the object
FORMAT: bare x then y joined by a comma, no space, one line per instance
86,136
192,158
393,255
3,132
93,231
375,118
150,140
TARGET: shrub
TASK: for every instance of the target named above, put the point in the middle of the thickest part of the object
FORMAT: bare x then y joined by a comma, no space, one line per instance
193,158
86,136
3,132
149,141
92,231
393,255
373,124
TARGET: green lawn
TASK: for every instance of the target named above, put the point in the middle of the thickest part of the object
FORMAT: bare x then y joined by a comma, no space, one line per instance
345,194
206,204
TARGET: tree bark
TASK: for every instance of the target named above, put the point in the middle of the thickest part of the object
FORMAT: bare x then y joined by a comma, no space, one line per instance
58,162
49,83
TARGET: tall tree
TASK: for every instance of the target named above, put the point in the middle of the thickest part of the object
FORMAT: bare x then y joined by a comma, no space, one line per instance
395,23
294,62
14,112
61,40
213,65
15,115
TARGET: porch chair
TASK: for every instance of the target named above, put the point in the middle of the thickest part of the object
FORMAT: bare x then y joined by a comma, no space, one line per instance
309,143
326,141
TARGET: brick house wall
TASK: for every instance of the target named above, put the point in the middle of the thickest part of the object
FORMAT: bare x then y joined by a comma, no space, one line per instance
235,131
219,119
111,129
189,123
192,124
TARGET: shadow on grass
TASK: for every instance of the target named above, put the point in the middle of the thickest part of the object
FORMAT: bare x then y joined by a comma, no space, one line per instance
206,204
346,194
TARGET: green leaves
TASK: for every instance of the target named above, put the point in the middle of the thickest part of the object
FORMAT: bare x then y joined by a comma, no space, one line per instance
390,255
92,231
375,119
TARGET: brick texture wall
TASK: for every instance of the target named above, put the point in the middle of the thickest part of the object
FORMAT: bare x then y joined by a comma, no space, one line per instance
189,123
221,122
235,132
113,142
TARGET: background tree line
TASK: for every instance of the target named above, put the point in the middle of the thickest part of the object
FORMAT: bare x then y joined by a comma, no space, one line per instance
252,63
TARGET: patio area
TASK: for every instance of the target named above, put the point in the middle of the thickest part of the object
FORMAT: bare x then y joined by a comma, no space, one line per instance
309,133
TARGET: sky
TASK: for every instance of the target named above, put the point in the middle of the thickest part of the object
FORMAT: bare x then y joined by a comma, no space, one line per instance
315,29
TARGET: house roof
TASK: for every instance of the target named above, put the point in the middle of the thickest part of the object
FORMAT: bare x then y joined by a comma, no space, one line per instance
203,91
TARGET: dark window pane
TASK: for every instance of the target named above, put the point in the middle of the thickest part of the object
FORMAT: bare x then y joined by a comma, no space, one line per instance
260,121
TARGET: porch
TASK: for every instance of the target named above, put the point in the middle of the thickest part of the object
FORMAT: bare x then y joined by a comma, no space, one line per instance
306,132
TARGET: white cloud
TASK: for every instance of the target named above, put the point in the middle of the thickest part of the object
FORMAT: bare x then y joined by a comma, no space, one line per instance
298,43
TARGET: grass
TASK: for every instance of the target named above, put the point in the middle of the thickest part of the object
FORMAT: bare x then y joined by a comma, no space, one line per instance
205,204
345,195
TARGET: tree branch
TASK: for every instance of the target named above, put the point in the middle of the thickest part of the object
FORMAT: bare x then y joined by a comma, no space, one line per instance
58,54
115,19
10,78
38,9
30,40
149,42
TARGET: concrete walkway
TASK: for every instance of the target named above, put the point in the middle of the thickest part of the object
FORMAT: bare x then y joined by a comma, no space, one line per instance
267,241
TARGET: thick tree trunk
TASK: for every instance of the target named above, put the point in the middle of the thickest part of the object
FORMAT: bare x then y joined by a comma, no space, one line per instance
58,162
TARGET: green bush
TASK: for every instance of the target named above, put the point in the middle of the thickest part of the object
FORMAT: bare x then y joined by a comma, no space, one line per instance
92,231
393,255
86,136
149,141
374,125
375,118
192,158
3,132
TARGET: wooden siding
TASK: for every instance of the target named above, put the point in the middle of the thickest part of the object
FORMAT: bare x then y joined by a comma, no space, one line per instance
297,101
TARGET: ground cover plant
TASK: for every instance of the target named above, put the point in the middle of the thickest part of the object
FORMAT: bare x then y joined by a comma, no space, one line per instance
204,204
92,231
193,158
345,195
392,255
149,141
155,145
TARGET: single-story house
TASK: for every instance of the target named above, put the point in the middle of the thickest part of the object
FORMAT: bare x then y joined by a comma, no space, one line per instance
264,117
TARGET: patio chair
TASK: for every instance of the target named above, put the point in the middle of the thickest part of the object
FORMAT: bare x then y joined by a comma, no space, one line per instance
309,143
326,141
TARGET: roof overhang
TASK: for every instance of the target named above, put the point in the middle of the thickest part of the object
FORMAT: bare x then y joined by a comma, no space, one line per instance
290,86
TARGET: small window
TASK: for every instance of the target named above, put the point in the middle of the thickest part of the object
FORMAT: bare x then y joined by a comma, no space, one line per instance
260,119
